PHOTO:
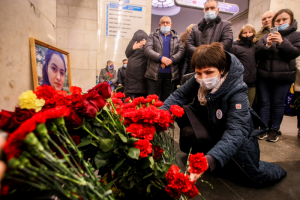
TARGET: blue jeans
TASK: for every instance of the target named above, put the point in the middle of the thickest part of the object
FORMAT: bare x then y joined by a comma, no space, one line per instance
271,95
112,88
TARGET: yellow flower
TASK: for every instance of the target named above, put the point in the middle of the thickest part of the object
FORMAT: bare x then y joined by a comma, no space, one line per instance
29,100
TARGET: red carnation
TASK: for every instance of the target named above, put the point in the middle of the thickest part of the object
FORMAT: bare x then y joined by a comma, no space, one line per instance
5,118
177,110
153,97
118,95
75,90
193,192
158,103
144,146
158,152
141,131
127,99
198,163
172,171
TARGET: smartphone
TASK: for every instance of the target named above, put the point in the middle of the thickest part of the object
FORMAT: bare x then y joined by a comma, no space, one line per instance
273,30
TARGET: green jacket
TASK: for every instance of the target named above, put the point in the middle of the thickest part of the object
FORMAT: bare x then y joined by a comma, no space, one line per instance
263,31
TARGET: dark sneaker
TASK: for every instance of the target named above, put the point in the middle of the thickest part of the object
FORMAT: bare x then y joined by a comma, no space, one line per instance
273,136
262,136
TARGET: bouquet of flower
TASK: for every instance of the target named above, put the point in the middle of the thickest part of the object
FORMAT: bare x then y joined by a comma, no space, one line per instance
109,76
60,140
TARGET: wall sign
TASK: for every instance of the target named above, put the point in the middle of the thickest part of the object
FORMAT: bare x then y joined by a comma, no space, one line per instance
124,18
224,7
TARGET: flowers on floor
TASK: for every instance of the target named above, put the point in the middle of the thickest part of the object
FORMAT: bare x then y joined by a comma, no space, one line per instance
94,145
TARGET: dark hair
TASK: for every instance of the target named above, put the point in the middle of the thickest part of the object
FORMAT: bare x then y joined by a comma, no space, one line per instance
124,59
48,56
288,11
212,55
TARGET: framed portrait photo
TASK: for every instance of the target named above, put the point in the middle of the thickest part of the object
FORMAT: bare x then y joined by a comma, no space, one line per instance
50,65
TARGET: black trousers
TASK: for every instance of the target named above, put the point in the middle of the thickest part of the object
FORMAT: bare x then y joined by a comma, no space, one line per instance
163,87
189,140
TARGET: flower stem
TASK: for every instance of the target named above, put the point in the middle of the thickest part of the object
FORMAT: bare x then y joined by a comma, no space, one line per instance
188,162
89,132
105,126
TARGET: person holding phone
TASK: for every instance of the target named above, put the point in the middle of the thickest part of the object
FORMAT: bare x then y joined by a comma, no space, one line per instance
276,53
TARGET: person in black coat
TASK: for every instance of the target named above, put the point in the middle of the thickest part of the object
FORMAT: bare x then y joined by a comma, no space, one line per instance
121,75
136,83
220,121
244,50
276,54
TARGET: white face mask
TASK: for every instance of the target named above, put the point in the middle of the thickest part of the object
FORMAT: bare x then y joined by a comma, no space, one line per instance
208,83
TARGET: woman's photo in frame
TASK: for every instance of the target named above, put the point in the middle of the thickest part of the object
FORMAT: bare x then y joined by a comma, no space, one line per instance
50,65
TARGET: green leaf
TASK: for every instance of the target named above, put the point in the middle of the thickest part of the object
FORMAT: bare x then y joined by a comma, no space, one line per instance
85,141
148,188
103,155
119,164
122,137
145,163
132,140
100,162
134,153
148,175
110,184
152,162
102,132
120,126
106,144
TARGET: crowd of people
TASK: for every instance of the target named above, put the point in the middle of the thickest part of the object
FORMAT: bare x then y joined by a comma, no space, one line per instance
221,81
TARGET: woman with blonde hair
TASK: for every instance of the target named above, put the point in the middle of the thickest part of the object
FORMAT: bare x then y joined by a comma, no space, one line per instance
244,50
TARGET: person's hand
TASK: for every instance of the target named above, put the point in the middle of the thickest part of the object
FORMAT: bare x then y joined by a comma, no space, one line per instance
120,85
166,61
163,65
194,176
138,45
269,40
143,42
276,37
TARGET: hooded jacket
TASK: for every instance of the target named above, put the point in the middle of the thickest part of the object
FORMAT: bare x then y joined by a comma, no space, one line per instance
244,50
136,67
207,33
154,50
278,62
230,119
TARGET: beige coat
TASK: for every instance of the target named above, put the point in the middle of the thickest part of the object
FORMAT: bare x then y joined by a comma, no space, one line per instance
297,81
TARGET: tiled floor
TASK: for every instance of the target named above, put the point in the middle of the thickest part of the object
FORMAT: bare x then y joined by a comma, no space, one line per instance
285,153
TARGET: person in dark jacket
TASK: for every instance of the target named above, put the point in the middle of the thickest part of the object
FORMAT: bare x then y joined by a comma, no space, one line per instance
185,64
109,74
136,83
210,29
164,50
121,75
266,21
220,121
244,50
276,54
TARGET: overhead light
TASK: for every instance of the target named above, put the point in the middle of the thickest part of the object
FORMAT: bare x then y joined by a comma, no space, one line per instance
164,7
